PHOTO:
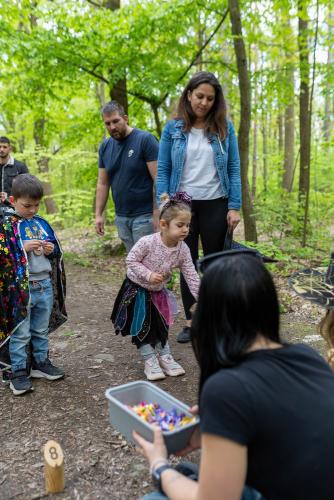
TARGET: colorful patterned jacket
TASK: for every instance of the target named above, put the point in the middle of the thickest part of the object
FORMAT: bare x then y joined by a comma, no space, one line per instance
14,286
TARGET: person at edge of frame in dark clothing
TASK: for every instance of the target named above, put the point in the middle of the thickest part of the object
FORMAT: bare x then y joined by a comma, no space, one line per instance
9,169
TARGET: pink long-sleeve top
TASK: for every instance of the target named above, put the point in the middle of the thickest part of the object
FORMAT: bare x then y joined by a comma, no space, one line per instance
150,255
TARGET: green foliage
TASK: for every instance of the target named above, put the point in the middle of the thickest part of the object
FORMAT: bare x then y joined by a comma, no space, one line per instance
285,302
77,259
69,333
106,246
59,61
174,280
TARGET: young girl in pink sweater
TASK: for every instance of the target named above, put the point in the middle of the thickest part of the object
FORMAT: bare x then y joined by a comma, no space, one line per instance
143,306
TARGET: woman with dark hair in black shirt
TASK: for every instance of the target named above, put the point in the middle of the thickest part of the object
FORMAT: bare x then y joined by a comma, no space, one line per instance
266,407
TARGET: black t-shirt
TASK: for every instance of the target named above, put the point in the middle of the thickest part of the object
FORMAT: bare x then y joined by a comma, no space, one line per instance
280,404
126,164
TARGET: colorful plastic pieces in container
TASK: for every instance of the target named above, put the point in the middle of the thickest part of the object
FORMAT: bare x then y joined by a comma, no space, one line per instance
153,413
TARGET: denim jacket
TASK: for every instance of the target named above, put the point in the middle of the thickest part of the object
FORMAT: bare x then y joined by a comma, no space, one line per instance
172,155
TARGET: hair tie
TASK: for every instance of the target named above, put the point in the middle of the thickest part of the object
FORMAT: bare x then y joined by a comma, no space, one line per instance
175,199
182,197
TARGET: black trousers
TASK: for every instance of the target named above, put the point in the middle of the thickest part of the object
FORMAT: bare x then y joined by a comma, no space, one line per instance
208,222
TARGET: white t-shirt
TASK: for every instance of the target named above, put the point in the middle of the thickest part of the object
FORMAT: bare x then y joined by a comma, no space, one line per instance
199,177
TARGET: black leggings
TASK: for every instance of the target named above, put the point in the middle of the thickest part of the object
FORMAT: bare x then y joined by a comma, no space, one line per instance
208,222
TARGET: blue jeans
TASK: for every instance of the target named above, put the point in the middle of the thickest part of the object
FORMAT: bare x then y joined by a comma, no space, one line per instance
190,470
131,229
247,494
34,328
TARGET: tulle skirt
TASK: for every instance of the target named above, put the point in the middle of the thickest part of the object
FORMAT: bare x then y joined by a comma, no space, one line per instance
143,314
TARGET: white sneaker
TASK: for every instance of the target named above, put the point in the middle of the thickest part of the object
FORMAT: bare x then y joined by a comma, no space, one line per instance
170,366
152,369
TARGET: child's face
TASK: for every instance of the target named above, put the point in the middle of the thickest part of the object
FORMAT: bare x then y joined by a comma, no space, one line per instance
25,207
178,228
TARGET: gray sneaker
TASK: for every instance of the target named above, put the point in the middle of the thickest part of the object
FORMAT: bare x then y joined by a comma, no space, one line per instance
170,366
20,383
153,370
47,370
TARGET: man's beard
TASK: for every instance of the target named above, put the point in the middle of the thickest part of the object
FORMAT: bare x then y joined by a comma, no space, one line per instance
4,158
119,135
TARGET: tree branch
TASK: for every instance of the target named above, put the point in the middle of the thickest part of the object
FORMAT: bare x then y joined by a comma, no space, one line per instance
204,6
197,55
56,150
153,101
87,70
95,4
229,66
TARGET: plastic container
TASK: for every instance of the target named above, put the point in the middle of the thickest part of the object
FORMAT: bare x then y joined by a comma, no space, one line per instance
126,420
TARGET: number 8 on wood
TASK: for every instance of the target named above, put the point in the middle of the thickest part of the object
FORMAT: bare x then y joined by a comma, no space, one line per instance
53,467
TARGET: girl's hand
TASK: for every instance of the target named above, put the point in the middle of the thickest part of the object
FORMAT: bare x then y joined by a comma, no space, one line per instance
166,276
156,278
48,247
233,219
195,438
154,452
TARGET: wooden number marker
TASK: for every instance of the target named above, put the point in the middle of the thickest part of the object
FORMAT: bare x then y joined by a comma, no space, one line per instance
53,467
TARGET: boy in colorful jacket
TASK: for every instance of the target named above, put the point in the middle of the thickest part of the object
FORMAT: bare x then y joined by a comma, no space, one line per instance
30,283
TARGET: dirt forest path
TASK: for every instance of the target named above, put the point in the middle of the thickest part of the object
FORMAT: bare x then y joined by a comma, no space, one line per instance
99,464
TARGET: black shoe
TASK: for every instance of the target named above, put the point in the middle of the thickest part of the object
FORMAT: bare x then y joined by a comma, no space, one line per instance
184,335
45,369
20,383
6,377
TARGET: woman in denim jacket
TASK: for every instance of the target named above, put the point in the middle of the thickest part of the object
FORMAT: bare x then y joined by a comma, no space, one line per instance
198,154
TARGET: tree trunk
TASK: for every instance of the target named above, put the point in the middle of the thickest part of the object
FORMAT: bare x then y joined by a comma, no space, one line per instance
304,115
254,170
245,118
289,133
328,112
43,165
200,41
38,133
280,131
100,93
118,93
155,109
118,90
265,151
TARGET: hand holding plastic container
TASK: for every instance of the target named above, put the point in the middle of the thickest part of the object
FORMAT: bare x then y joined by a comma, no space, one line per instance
154,406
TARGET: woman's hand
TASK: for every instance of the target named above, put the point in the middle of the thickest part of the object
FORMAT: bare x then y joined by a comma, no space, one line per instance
155,452
233,219
195,439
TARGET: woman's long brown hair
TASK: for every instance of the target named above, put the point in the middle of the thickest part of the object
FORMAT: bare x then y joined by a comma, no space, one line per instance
216,122
326,330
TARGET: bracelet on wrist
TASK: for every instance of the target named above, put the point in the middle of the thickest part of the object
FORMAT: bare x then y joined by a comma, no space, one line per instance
160,461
